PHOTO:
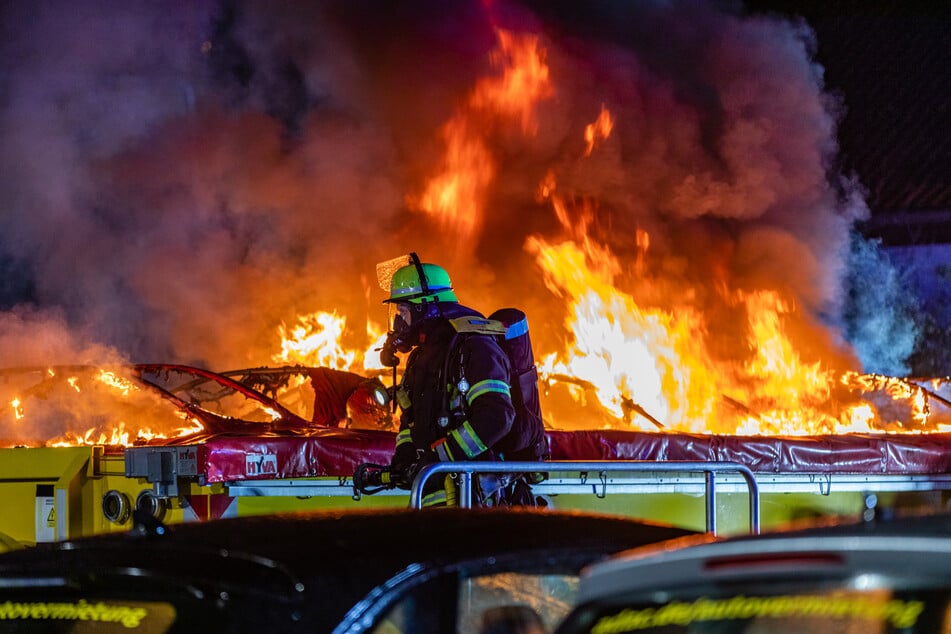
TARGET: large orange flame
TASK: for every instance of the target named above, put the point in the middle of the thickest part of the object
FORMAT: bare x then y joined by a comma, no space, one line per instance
455,197
648,366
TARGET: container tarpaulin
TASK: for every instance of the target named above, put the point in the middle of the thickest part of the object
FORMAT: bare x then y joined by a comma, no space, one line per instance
337,452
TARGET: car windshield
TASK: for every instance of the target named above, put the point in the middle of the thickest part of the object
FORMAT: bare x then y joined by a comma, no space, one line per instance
210,393
864,605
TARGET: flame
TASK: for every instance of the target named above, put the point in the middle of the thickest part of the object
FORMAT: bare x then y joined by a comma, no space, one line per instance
455,197
786,393
640,362
116,436
600,129
648,368
524,79
17,408
315,341
914,395
371,358
123,385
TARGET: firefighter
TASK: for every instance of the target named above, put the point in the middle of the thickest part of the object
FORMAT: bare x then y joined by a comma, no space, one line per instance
455,395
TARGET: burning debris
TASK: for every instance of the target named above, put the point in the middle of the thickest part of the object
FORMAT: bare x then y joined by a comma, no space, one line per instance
652,186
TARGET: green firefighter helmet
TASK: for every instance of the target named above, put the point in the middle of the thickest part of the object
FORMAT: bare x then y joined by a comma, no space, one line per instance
421,282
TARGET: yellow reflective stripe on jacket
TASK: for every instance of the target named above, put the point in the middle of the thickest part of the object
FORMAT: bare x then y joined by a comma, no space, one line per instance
403,437
486,387
468,440
435,498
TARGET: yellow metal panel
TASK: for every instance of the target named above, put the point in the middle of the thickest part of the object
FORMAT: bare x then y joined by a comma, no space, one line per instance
21,470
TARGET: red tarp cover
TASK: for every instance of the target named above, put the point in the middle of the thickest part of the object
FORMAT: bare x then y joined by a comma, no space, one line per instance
866,454
337,452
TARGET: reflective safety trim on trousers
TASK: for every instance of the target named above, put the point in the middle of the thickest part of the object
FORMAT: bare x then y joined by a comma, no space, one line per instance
403,437
470,442
486,387
442,451
437,497
517,329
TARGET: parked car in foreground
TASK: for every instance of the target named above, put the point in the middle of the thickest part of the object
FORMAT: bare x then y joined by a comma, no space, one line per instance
878,576
399,570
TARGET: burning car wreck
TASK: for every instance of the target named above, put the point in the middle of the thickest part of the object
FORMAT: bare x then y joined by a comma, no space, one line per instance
260,440
153,403
303,397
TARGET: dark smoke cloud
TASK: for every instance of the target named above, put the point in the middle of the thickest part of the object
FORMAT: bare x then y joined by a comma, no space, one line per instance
178,180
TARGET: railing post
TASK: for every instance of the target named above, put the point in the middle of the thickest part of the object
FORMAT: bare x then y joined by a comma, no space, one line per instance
465,489
465,471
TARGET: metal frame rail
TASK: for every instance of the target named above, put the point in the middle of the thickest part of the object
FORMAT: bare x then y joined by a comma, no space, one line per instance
465,471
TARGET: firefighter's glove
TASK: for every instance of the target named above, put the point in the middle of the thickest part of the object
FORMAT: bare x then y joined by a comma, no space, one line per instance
388,352
402,474
410,472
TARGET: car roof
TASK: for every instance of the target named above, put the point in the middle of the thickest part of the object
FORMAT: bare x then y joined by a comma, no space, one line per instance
341,556
918,546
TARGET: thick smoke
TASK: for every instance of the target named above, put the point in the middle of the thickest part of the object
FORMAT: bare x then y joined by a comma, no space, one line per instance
178,183
882,314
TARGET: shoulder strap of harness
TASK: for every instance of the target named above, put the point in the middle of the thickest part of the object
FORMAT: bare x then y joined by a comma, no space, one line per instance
477,325
470,325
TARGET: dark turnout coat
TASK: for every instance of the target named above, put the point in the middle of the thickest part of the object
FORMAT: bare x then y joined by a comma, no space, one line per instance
468,391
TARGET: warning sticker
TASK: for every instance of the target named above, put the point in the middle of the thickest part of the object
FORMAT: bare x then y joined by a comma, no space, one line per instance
187,461
257,464
45,519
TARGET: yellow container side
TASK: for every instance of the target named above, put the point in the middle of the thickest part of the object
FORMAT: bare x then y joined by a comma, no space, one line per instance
50,494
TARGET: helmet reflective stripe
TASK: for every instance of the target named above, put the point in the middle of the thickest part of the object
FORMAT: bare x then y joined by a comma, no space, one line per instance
486,387
470,442
406,285
410,292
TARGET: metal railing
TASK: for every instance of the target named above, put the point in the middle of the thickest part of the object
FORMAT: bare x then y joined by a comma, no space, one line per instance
465,471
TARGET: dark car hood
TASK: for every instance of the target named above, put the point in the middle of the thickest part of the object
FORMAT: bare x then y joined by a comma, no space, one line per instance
336,558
